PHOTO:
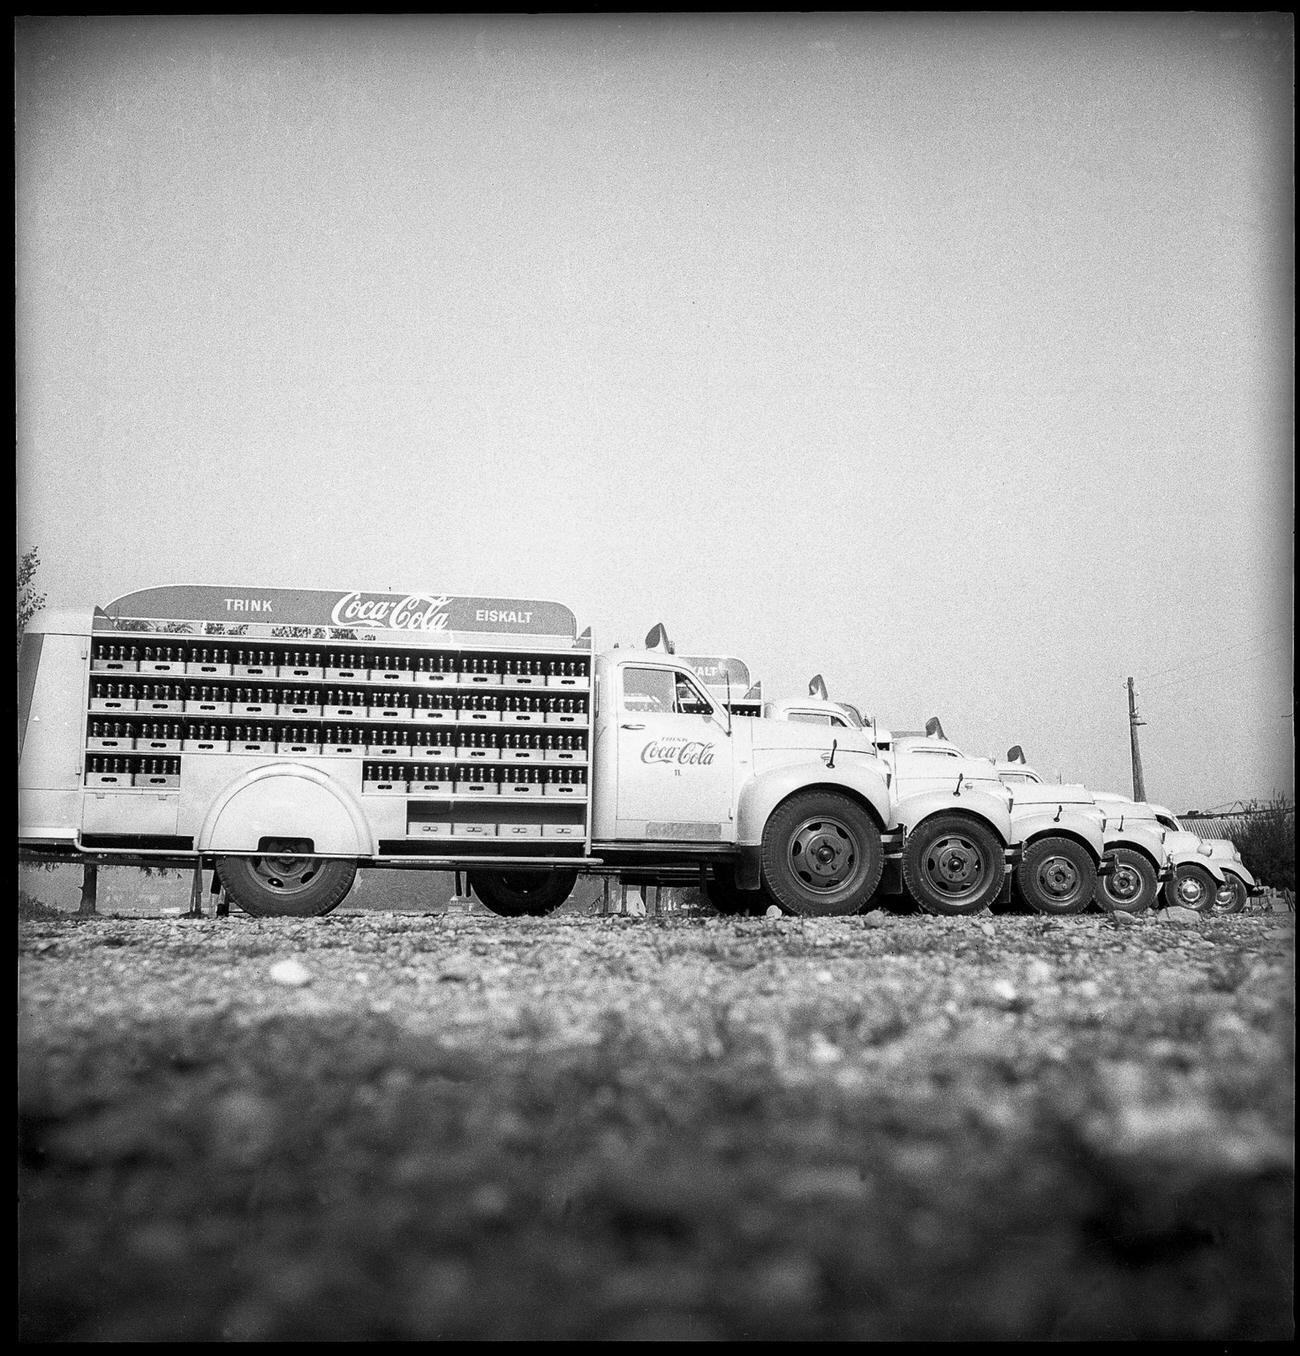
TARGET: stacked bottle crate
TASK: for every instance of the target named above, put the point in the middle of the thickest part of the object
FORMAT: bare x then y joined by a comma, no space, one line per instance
481,744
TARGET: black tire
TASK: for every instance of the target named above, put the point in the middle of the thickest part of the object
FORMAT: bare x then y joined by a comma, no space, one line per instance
1191,887
518,894
821,855
1056,876
1230,897
286,887
953,865
1131,886
726,896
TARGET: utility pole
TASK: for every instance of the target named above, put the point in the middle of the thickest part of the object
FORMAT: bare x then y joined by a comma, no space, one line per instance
1134,720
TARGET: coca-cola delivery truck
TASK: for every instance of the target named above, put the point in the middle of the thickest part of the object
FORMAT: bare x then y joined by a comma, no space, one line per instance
286,737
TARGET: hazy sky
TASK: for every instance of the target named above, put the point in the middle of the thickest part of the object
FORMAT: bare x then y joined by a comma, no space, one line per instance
949,356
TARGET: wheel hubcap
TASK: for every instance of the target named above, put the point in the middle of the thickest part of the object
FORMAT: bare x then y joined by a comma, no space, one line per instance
1058,878
954,866
823,854
1226,897
1191,892
1125,883
285,875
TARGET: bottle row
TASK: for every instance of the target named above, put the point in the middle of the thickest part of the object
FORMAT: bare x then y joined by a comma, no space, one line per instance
385,778
102,770
336,703
190,736
475,779
347,665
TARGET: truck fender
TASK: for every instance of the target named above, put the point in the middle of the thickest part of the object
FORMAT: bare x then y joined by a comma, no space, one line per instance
762,794
1199,859
912,811
1244,875
1042,821
1136,839
285,800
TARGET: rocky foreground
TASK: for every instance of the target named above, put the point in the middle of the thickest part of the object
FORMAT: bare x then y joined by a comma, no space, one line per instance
381,1126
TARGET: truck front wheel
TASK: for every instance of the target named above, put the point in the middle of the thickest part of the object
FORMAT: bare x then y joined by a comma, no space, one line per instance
1057,876
953,865
286,886
1231,896
1132,885
821,855
1192,887
517,894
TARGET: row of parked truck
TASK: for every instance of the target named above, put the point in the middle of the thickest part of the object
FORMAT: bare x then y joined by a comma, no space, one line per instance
286,738
1075,847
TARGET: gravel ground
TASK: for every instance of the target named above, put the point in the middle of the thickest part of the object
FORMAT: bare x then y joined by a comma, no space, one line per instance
403,1126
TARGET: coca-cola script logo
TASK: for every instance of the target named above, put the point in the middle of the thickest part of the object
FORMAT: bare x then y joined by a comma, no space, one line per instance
678,749
414,612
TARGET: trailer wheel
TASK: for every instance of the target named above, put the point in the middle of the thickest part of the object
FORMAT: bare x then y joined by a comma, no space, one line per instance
286,887
953,865
1230,897
517,894
1192,887
1131,887
821,855
723,893
1056,876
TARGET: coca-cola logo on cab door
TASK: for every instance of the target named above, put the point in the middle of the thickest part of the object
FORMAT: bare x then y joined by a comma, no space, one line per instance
679,750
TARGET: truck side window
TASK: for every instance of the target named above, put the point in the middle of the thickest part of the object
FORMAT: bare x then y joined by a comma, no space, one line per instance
809,718
648,690
664,691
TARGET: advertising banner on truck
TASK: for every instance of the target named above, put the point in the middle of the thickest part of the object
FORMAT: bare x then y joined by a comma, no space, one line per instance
319,614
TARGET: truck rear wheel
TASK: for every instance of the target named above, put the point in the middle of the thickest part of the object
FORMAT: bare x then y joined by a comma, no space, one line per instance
821,855
1192,887
1131,886
725,896
1056,875
286,887
518,894
1231,896
953,865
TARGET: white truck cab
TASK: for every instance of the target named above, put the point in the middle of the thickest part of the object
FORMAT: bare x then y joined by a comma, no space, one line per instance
956,838
1137,845
789,809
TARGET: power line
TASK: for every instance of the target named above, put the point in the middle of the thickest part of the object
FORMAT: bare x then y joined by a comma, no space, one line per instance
1214,653
1206,673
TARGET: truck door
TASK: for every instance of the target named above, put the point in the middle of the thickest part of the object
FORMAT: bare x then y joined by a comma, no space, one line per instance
675,758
